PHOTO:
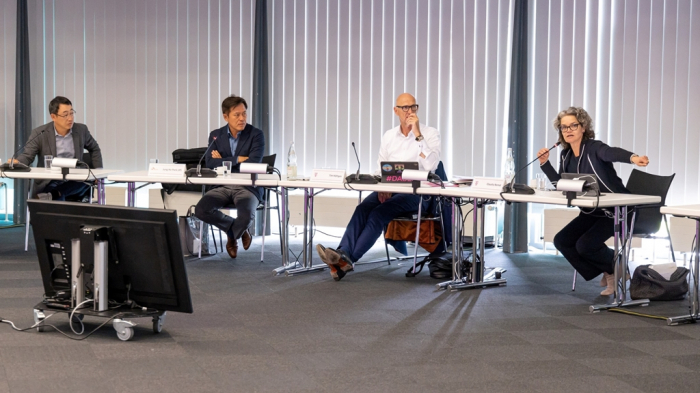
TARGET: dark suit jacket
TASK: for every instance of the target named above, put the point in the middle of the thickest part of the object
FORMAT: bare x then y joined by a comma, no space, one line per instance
46,145
251,144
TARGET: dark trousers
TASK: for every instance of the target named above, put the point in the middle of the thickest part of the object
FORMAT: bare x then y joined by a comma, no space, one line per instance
244,201
582,242
370,219
65,189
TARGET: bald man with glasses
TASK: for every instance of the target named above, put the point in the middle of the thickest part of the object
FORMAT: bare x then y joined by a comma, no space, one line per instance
409,141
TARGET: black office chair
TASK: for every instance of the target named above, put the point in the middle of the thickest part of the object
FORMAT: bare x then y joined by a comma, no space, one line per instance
434,212
646,219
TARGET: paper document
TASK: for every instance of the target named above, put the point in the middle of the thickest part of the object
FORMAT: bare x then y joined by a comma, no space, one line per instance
664,269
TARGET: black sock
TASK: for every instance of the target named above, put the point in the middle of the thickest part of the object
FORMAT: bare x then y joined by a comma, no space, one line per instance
55,194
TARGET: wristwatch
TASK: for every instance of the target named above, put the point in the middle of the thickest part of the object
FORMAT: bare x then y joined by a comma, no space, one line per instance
633,155
419,138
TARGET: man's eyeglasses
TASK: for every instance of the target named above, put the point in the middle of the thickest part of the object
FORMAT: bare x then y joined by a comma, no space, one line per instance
572,127
237,115
67,115
413,108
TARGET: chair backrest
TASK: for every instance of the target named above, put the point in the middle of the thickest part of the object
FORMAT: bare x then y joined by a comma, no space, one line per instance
87,158
648,220
440,171
269,160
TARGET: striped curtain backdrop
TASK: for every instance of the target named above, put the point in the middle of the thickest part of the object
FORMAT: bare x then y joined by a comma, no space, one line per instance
146,77
631,64
8,29
337,67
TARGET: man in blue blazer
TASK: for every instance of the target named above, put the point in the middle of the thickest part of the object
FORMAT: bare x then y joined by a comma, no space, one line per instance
237,142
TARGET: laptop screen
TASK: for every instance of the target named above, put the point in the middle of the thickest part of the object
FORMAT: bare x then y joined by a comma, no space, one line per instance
392,170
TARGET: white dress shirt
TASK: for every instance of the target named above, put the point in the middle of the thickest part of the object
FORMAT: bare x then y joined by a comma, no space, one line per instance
397,147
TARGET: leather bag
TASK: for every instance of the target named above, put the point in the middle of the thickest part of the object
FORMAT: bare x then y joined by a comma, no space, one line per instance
647,283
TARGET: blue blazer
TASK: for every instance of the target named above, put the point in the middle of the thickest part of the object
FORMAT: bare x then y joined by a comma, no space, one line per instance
251,144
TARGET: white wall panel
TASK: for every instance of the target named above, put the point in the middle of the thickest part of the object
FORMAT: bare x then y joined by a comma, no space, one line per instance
337,67
146,77
631,65
8,29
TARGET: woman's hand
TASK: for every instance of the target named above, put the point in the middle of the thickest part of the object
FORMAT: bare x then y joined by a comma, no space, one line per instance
543,155
640,160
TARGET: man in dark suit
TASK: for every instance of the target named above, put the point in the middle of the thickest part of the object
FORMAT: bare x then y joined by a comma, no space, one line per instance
60,138
237,142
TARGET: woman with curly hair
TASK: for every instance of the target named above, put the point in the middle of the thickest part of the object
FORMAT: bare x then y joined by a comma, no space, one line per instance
582,241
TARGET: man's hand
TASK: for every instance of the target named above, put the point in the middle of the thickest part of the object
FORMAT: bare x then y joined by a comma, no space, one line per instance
640,160
413,124
15,161
215,154
241,159
383,196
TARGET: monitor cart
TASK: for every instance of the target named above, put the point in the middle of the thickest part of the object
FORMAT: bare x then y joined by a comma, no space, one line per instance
123,326
90,258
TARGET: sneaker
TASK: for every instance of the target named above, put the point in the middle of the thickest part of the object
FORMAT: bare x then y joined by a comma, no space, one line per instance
44,196
610,284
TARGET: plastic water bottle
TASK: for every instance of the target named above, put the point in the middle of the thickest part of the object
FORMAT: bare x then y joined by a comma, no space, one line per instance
292,163
509,166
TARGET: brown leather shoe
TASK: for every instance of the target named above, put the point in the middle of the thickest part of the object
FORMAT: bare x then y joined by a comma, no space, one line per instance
246,239
232,247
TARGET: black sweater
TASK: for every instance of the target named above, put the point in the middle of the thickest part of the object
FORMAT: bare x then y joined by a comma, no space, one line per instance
595,158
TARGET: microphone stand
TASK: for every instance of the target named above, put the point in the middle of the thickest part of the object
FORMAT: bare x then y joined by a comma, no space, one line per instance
21,167
513,188
357,178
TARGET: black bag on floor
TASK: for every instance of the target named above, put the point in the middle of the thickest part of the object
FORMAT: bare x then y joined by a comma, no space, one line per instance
647,283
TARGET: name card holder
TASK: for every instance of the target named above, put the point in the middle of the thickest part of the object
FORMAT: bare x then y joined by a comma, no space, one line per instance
328,175
171,170
488,183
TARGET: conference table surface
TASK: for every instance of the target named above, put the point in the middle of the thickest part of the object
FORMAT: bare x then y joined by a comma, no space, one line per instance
76,174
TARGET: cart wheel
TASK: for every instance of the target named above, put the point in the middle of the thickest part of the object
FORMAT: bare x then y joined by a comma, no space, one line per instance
158,323
38,317
126,334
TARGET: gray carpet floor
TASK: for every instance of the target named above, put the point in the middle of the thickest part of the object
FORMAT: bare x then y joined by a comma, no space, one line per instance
374,331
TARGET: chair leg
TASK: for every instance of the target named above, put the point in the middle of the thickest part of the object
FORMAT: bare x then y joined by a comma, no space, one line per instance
386,248
264,228
26,233
415,250
573,286
216,249
201,232
670,243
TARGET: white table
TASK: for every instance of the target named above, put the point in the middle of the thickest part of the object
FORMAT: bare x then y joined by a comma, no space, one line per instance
692,212
76,174
310,192
234,179
620,202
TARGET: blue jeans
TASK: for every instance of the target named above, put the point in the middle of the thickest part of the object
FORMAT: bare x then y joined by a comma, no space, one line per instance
371,217
66,188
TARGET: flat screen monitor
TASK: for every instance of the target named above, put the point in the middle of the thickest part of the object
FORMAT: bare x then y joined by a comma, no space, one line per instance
148,267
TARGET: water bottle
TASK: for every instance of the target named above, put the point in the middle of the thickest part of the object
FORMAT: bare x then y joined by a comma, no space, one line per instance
292,163
509,166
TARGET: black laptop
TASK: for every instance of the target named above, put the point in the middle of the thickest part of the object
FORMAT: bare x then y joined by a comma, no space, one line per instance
392,170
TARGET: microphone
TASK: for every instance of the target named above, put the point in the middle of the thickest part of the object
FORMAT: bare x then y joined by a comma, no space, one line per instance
20,167
198,171
522,188
357,178
357,175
